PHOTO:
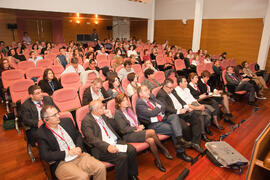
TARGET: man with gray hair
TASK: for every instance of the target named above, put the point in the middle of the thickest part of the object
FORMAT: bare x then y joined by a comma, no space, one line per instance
61,143
99,130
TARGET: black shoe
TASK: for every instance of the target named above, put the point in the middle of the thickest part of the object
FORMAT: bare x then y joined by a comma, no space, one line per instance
252,104
159,166
229,115
181,142
184,156
207,130
219,127
197,147
226,120
205,138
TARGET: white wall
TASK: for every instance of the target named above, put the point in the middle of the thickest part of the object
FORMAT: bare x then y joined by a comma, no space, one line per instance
213,9
104,7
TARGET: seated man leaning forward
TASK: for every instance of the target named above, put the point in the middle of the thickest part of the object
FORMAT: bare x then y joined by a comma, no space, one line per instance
60,143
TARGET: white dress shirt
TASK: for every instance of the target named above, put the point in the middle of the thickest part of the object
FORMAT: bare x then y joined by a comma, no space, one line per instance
70,69
185,95
63,145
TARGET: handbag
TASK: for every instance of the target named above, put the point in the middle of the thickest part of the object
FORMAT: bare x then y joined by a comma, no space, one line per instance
222,154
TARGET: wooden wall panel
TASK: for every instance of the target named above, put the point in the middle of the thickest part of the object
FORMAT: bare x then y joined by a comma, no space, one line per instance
240,38
138,29
71,29
39,29
175,31
5,33
268,61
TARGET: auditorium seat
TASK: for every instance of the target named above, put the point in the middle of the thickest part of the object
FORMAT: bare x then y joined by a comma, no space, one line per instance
71,80
66,99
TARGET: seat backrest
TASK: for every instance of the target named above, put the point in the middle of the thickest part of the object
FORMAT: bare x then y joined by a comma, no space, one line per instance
10,76
134,100
34,72
82,89
223,77
44,63
19,89
80,114
24,65
118,68
110,57
159,76
103,63
57,69
67,114
155,90
101,57
106,85
141,78
160,60
137,68
111,106
66,99
71,80
125,83
179,65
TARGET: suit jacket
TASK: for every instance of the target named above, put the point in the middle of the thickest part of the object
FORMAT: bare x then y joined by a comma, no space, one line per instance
232,81
150,84
48,146
167,101
202,87
87,95
143,111
45,87
30,113
123,123
93,135
195,93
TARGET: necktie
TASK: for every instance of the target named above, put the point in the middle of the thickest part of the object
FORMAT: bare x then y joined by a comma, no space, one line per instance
159,117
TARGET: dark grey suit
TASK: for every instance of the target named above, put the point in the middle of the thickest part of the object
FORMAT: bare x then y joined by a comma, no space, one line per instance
125,163
191,117
239,85
170,125
29,114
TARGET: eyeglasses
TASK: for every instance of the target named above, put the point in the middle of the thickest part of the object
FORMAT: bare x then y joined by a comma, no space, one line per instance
54,115
171,88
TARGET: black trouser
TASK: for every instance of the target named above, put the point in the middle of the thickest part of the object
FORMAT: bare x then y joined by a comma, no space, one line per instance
195,124
125,163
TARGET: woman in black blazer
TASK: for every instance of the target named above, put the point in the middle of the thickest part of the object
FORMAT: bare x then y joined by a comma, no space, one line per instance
132,131
49,83
197,93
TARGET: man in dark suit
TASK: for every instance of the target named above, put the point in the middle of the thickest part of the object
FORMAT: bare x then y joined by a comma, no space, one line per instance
30,111
151,111
94,92
61,144
175,105
99,130
240,85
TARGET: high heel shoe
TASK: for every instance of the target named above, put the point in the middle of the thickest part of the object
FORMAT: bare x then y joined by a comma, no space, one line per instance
159,166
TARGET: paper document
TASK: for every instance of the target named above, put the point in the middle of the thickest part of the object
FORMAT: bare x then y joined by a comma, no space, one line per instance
121,147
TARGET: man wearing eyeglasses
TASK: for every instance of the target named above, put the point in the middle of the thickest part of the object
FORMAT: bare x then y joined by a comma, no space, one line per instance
30,112
61,144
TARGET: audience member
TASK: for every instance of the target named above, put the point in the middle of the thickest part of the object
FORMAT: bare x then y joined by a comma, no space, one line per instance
126,70
149,81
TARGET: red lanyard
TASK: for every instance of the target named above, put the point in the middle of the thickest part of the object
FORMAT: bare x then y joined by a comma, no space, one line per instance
208,87
103,126
159,117
132,116
37,105
197,88
61,137
118,90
